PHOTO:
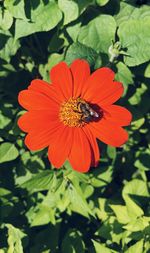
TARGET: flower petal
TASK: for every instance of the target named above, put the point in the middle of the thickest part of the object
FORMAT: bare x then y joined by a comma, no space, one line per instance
59,148
117,114
37,121
32,100
95,154
101,89
109,132
46,89
80,155
61,77
80,71
36,140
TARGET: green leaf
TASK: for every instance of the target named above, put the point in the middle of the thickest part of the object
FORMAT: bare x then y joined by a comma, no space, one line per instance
102,2
137,97
6,20
78,201
133,209
8,45
137,247
147,71
99,33
102,248
80,51
16,8
124,75
70,10
102,176
44,215
131,34
14,239
40,182
43,18
121,213
44,70
136,187
138,224
130,12
8,152
111,151
73,31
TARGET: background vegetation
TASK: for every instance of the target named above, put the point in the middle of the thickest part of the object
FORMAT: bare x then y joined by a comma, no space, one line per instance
45,210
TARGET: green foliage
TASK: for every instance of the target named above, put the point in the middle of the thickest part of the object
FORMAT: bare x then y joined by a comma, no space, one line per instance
8,152
44,210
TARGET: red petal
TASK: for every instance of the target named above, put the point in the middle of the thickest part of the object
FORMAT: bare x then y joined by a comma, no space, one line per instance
80,71
117,114
46,89
60,146
37,121
32,100
37,140
101,89
109,133
61,78
95,154
80,155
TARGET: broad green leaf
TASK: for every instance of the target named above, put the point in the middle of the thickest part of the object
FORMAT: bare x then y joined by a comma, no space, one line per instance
73,31
101,210
131,34
52,61
121,213
70,10
43,216
99,33
16,8
6,20
137,247
124,75
80,51
133,209
99,247
101,177
8,152
8,45
4,120
142,162
147,71
14,239
43,18
40,182
130,12
111,151
84,4
78,201
136,187
102,2
138,224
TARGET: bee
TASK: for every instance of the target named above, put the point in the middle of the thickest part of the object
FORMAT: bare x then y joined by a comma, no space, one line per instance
87,112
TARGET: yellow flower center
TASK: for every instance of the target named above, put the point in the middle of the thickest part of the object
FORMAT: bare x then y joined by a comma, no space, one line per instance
77,113
70,114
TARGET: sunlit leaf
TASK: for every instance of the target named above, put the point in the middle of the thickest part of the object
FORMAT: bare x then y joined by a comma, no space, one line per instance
131,34
8,152
99,33
69,9
44,17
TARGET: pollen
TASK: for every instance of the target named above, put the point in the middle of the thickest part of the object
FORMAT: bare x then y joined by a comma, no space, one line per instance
70,114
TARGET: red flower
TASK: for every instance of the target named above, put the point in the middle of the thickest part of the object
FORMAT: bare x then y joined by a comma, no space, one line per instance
68,115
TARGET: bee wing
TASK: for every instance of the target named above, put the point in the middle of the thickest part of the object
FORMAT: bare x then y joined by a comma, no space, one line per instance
93,113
